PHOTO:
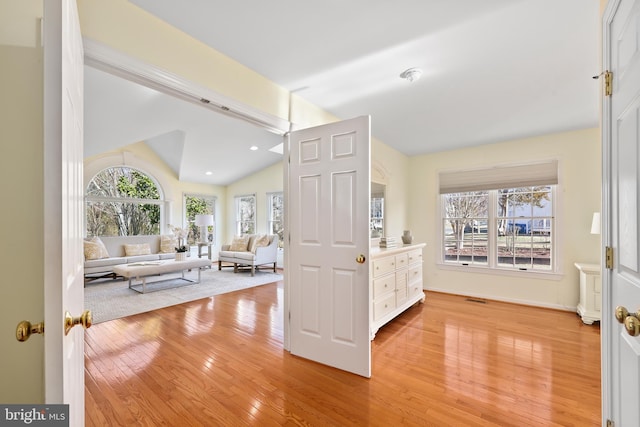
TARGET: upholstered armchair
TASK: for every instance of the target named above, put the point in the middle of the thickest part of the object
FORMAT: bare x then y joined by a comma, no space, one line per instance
250,250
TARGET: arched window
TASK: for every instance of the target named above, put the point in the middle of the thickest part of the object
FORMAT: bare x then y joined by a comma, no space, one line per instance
122,201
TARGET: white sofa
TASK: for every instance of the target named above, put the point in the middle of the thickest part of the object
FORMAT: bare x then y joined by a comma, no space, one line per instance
115,246
246,257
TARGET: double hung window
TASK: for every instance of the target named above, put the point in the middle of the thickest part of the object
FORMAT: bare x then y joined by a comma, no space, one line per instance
275,219
195,204
245,214
500,218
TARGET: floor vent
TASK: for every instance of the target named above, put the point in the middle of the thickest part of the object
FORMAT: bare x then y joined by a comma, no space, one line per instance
479,301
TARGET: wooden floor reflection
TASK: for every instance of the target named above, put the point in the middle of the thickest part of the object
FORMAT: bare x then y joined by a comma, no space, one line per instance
449,362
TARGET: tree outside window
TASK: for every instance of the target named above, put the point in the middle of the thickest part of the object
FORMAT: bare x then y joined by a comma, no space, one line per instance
275,221
122,201
197,205
506,228
245,214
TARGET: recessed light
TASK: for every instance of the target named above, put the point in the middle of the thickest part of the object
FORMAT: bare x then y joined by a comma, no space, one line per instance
208,173
253,148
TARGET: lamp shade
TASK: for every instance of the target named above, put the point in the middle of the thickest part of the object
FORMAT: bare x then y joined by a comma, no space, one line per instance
204,220
595,223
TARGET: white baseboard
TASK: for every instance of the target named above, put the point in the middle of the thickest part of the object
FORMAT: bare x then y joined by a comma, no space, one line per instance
509,300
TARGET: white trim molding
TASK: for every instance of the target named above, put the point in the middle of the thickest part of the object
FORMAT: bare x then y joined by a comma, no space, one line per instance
107,59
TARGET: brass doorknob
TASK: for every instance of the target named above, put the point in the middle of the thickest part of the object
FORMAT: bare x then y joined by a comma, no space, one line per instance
621,313
631,321
360,259
86,320
25,329
632,325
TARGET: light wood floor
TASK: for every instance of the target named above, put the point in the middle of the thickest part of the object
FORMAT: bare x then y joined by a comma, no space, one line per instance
449,362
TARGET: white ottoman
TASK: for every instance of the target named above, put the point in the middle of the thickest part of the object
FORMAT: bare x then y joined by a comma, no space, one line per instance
141,270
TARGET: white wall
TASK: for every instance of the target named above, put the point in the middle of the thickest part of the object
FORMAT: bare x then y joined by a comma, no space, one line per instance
578,198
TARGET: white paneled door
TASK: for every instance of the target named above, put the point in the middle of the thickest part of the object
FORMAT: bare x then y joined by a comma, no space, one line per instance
621,166
63,201
328,270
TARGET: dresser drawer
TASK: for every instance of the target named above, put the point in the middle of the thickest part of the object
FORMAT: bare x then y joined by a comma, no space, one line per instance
383,285
415,274
385,306
415,256
383,265
415,289
402,260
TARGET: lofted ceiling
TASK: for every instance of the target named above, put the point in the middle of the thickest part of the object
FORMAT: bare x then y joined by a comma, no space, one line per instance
493,70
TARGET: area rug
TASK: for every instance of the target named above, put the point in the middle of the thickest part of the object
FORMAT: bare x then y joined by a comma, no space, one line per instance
112,299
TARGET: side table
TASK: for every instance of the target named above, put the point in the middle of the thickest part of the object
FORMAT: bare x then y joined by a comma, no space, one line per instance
590,292
208,253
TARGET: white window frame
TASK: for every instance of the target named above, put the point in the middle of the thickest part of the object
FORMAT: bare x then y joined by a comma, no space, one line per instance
270,220
549,170
208,197
239,220
96,199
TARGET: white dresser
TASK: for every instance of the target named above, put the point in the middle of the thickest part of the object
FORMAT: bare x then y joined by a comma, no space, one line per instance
396,282
590,302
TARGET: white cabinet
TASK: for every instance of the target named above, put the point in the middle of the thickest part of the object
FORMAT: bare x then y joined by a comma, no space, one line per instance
590,292
396,282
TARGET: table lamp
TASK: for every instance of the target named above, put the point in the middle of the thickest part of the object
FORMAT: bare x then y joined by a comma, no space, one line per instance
204,221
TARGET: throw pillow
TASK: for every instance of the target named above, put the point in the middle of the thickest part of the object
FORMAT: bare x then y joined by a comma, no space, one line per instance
260,241
139,249
240,243
168,243
94,249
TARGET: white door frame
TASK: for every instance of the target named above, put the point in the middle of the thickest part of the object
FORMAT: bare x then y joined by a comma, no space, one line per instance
606,314
112,61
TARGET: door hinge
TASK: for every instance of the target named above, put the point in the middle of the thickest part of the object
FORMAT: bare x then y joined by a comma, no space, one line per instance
289,316
608,82
611,423
608,258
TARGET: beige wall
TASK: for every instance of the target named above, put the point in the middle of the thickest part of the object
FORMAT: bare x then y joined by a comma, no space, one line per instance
268,180
21,178
578,197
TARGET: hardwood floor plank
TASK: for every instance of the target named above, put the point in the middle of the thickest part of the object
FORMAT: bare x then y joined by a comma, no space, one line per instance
220,361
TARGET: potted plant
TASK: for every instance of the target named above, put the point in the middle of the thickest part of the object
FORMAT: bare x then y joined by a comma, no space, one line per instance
181,234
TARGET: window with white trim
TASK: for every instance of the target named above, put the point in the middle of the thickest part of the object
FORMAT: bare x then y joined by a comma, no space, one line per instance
500,218
245,214
123,201
275,216
195,204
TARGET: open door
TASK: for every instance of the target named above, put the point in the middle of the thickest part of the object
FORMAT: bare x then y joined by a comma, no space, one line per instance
621,204
328,270
63,206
